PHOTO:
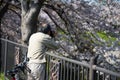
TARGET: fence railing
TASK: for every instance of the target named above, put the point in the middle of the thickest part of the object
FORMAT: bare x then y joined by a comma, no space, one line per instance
10,54
68,69
58,67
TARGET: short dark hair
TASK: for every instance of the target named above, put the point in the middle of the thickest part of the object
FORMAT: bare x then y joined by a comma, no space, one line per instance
46,29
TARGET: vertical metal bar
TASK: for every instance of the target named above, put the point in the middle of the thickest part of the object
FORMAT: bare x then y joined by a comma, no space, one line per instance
64,71
109,77
56,71
78,72
5,58
74,71
47,67
82,73
98,75
103,76
71,67
91,69
46,73
115,78
61,69
50,68
0,55
67,70
87,75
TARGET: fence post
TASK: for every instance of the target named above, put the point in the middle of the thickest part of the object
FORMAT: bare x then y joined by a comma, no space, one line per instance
47,75
92,73
0,56
5,57
91,69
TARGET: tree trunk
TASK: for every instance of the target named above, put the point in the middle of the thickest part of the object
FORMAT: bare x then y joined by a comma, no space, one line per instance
30,12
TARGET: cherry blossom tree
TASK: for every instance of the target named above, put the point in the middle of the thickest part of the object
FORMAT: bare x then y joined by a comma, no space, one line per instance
83,27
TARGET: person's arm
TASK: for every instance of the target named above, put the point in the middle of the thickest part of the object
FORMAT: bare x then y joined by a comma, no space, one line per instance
50,43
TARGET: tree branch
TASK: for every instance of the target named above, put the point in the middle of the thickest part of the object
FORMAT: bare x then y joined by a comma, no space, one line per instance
15,12
24,6
51,17
34,10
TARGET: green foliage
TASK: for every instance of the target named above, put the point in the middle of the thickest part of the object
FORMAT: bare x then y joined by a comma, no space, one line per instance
108,38
105,36
1,76
61,32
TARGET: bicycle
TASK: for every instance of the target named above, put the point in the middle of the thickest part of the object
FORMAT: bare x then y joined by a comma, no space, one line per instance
21,67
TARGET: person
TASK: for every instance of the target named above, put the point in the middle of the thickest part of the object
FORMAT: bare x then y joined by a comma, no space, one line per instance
39,44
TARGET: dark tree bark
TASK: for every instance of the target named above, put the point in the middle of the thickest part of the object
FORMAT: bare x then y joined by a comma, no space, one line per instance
30,12
2,13
3,10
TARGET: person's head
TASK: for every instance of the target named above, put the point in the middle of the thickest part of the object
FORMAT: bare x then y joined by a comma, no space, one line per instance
47,29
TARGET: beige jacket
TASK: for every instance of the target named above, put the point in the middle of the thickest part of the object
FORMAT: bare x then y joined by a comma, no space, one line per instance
39,43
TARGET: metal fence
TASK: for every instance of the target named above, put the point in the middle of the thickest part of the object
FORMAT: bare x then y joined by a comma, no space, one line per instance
10,54
61,68
57,67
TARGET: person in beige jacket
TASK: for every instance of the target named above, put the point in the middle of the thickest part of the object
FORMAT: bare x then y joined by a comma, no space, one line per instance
39,43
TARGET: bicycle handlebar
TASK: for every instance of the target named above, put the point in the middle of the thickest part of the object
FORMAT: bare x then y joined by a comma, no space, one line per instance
19,67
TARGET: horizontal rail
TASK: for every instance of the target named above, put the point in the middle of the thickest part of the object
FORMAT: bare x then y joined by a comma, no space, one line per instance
86,65
70,60
106,71
13,42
